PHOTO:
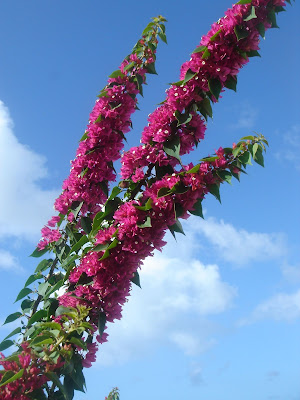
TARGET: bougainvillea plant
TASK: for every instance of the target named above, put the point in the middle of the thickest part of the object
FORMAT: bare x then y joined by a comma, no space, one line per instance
101,234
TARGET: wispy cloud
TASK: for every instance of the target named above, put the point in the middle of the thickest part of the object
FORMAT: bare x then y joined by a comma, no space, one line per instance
247,117
281,307
25,204
291,273
290,151
8,261
239,246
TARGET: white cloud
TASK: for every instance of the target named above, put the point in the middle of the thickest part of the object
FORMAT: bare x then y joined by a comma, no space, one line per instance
25,204
291,273
195,374
176,298
239,246
8,261
281,307
247,117
290,151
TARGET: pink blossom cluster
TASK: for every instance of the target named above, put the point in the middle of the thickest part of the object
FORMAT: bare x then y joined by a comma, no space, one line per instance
137,232
49,235
102,142
220,58
33,376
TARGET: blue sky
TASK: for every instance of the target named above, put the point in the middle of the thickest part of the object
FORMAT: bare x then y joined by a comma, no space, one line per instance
218,315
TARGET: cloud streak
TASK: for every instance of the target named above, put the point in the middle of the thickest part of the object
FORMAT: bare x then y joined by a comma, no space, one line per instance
27,205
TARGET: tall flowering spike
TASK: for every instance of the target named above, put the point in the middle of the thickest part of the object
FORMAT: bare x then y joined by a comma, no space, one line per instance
109,120
97,260
176,127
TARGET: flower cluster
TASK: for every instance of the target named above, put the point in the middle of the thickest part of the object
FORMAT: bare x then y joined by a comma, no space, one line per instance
102,141
212,67
136,231
32,374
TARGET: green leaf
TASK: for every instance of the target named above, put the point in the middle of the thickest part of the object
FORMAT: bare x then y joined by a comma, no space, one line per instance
206,54
55,379
114,193
39,253
197,209
244,2
215,87
43,287
116,73
209,159
37,394
251,15
129,66
225,175
32,279
76,207
42,339
69,386
254,149
214,37
78,342
188,76
104,187
162,192
136,279
231,83
139,81
261,29
105,255
177,227
163,37
14,332
113,244
84,136
43,265
38,316
183,119
13,378
259,158
205,107
101,247
64,310
101,323
272,19
250,137
69,260
240,32
83,240
23,293
148,28
172,148
57,286
12,317
5,344
194,170
253,53
151,68
279,9
245,158
86,224
199,49
146,224
26,305
236,150
215,190
146,207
